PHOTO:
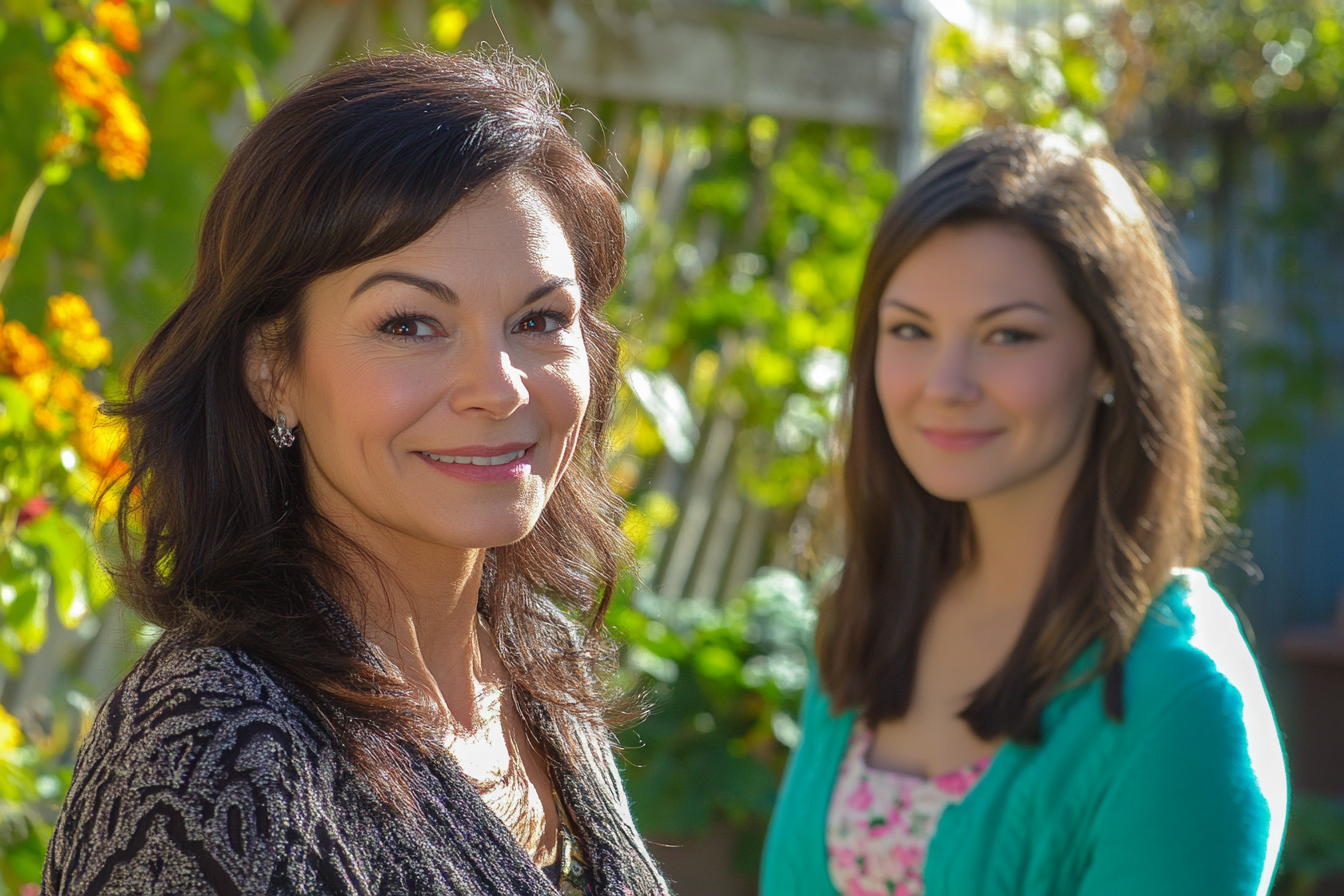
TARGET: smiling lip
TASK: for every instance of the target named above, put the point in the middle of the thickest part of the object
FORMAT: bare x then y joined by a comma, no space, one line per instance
959,439
482,463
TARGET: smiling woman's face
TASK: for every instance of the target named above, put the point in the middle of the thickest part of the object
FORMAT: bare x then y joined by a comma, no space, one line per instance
986,371
440,388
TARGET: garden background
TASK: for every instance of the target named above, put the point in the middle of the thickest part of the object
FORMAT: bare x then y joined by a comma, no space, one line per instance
748,213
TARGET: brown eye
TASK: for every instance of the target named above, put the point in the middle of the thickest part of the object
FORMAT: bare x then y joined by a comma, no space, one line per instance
407,327
907,331
1011,336
541,322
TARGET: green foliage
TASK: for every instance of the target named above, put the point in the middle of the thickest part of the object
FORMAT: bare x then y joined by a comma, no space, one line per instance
739,306
1288,387
745,298
1313,847
725,682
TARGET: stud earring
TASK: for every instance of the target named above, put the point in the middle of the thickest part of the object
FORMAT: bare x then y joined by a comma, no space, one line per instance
281,434
1107,398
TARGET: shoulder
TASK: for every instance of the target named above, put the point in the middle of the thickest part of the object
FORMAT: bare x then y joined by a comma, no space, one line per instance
199,757
1191,643
221,700
1193,687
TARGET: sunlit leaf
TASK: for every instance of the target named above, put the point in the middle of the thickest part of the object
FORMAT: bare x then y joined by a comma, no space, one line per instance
237,10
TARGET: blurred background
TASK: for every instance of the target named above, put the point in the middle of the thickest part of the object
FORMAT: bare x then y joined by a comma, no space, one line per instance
756,142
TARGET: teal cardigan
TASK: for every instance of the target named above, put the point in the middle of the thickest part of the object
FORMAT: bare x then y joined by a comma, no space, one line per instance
1186,797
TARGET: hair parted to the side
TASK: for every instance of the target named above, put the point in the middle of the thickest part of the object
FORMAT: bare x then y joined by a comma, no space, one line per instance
1147,499
222,539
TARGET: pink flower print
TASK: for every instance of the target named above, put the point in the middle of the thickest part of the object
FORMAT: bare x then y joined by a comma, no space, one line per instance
959,782
911,856
861,800
902,890
844,858
856,888
896,817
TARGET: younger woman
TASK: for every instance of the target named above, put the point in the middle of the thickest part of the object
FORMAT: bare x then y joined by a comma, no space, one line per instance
1020,690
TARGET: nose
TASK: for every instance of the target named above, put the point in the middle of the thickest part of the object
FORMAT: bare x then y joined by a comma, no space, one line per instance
489,382
952,377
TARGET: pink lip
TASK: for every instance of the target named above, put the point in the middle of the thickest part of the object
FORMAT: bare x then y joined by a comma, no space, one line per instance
959,439
514,469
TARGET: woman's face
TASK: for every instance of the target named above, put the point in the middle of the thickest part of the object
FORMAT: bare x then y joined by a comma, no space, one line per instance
986,371
440,388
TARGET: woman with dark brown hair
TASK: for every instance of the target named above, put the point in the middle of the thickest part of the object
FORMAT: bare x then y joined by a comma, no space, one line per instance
1023,689
368,505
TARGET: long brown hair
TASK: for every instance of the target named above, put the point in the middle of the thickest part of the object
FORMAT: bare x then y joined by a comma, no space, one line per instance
1143,500
222,541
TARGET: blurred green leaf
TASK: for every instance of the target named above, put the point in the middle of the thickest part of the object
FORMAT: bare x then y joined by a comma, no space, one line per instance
237,10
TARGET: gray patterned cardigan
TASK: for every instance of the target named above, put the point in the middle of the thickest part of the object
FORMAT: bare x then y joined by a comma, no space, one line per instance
207,772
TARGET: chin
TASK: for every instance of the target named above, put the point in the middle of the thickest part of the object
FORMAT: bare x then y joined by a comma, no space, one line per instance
957,489
489,533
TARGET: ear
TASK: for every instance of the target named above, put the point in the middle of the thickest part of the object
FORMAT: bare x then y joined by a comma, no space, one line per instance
1103,381
266,386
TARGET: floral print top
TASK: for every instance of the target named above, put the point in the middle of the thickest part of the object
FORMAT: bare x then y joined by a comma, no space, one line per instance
880,823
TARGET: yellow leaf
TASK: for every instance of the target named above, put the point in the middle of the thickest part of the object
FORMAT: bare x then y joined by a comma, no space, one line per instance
11,735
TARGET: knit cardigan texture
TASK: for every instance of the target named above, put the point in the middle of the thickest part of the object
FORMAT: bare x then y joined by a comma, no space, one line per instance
1187,796
207,772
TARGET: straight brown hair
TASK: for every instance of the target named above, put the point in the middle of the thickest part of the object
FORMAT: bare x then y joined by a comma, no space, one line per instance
222,542
1145,499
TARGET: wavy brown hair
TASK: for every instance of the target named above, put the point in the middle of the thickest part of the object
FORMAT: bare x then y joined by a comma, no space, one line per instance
223,543
1144,500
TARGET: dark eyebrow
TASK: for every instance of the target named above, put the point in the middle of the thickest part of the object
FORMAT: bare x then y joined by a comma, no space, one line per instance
444,293
1012,306
438,290
911,308
549,287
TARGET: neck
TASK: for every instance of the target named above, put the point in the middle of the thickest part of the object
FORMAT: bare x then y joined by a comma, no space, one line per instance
418,603
1016,532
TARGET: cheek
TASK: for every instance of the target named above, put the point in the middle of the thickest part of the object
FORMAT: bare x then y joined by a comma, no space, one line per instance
1043,386
357,393
568,389
384,393
899,377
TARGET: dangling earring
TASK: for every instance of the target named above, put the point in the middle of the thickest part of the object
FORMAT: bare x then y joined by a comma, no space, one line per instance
1107,398
281,434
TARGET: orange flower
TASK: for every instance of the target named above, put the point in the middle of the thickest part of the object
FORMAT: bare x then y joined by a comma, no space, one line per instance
21,353
101,446
87,71
45,419
122,138
67,392
89,74
6,250
119,19
79,336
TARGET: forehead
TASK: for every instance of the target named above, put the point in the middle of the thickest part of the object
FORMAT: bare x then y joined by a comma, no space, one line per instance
498,244
511,217
977,265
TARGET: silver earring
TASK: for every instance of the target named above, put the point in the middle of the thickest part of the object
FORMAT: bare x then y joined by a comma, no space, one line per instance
1107,398
281,434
